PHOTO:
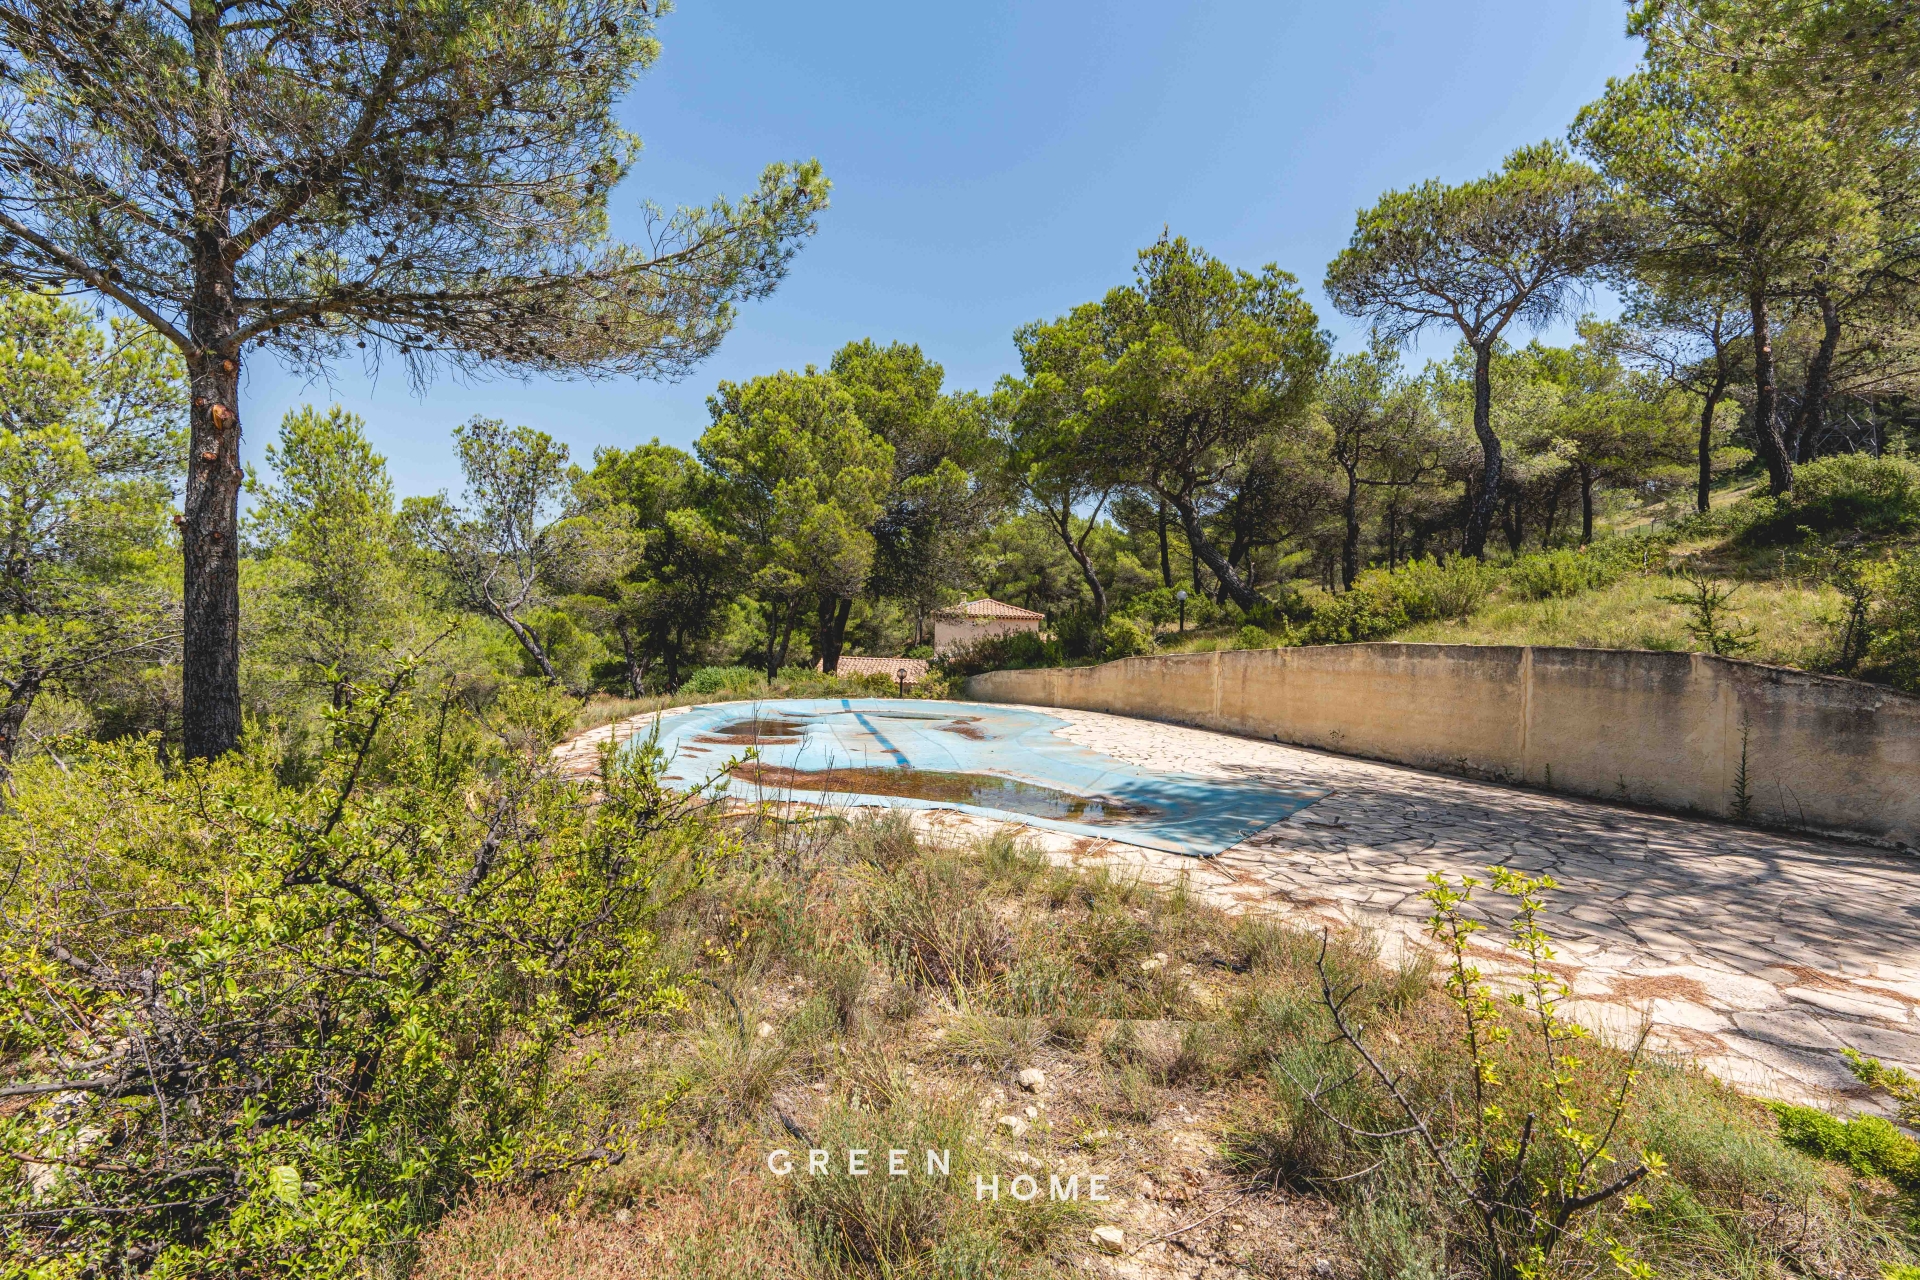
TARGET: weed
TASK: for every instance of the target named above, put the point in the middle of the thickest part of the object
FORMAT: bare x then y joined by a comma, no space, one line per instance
1869,1145
1712,621
994,1041
885,841
1131,1093
1557,575
1528,1187
1741,809
840,978
935,930
729,1075
1111,939
1897,1084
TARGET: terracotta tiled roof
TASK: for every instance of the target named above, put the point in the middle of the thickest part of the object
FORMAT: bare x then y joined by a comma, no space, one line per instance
916,668
984,608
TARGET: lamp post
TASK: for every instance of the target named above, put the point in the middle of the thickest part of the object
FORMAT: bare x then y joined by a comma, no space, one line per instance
1181,596
902,675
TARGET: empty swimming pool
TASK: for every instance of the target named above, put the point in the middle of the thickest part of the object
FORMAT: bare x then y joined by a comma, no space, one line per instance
1000,762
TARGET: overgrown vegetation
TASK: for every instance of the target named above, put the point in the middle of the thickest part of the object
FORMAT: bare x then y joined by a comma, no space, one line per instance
314,962
266,1025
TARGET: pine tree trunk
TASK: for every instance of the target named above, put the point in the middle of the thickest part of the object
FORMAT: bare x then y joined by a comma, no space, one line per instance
1703,497
1487,498
1230,582
210,542
528,641
1767,437
831,631
626,649
1350,547
13,716
1810,419
1586,506
1166,559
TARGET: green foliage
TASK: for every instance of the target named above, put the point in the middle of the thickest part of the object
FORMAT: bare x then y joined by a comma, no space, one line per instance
1125,638
500,549
328,514
801,480
1554,575
1849,493
944,489
1081,634
670,571
1016,651
1859,493
1898,1084
90,423
1189,331
1895,646
734,681
1712,621
1508,247
1382,601
260,1029
1252,637
1868,1145
1531,1181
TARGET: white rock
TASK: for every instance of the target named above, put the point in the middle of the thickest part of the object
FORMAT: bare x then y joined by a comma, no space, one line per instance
1033,1079
1110,1239
1151,963
1033,1113
766,1029
1014,1125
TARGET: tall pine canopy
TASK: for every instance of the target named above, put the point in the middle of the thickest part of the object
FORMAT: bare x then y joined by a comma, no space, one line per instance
424,180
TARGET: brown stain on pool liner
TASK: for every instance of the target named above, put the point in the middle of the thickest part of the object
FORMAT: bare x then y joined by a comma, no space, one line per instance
984,789
754,732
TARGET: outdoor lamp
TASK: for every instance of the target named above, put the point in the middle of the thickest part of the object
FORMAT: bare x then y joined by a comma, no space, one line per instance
1181,596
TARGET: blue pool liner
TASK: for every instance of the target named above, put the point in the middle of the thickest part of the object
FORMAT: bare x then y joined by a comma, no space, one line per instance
1186,814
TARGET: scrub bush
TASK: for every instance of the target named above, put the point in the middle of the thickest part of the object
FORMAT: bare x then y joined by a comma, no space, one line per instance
1126,638
1847,493
1556,575
707,681
1868,1145
1382,601
1252,637
1894,649
255,1029
1001,653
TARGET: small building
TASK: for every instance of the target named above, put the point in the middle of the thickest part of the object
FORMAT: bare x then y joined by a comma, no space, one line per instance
970,620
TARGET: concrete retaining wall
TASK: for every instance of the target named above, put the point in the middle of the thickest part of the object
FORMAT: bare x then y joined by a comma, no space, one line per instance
1663,729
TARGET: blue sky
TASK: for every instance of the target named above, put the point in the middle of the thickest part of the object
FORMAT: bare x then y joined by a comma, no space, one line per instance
999,162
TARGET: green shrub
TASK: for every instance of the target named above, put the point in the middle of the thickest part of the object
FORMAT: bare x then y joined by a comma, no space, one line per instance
1894,649
310,1017
1869,1145
1851,492
1001,653
1252,637
1555,575
1382,602
707,681
1155,608
1126,638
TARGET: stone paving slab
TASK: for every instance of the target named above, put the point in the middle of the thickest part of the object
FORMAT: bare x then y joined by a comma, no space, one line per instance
1757,954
